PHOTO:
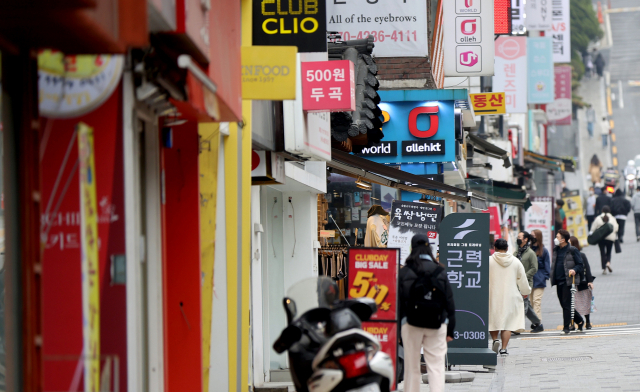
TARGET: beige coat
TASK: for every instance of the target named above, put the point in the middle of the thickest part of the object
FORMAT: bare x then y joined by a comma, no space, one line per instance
599,222
507,284
377,232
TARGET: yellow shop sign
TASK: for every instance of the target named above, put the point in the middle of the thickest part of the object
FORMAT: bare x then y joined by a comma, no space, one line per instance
269,72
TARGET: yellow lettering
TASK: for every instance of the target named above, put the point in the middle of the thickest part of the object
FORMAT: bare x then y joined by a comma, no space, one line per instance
291,11
282,28
264,26
295,25
310,7
264,11
312,30
279,8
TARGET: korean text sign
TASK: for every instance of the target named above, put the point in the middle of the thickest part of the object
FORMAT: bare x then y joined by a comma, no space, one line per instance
399,27
328,86
411,218
269,73
511,72
540,216
373,273
488,103
576,224
300,23
464,252
559,111
540,68
387,334
517,17
560,31
538,14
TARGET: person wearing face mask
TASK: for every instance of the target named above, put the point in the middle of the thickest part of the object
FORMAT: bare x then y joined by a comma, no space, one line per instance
541,277
566,264
529,261
591,207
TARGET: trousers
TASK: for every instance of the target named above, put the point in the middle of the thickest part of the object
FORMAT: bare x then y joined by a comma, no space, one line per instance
605,252
536,300
621,224
434,342
590,219
529,313
637,217
564,296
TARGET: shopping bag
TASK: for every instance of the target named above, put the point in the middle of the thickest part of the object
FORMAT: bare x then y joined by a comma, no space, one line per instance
593,304
618,247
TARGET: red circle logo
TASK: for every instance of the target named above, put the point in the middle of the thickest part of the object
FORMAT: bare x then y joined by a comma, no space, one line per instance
255,160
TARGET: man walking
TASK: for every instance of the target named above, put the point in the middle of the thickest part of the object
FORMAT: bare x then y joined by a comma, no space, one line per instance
602,200
591,119
620,208
591,207
635,204
529,261
566,263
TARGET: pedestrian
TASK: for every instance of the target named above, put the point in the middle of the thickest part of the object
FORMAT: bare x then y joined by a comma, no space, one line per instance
507,288
588,65
620,208
591,119
422,329
561,217
591,207
635,204
585,288
541,277
602,200
566,264
599,64
606,243
595,169
529,261
604,131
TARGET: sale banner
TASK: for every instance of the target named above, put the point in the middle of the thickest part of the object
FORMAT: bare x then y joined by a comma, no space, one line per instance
373,273
387,334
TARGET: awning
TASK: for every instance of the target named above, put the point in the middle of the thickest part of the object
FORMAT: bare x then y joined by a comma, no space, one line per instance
484,147
544,161
499,192
367,170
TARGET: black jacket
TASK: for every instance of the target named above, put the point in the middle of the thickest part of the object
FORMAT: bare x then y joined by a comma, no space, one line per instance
601,201
619,204
588,278
572,260
409,274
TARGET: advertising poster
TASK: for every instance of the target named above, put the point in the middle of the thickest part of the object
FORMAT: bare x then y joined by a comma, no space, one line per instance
560,31
511,72
559,111
411,218
399,27
464,252
373,273
540,216
387,334
540,69
576,223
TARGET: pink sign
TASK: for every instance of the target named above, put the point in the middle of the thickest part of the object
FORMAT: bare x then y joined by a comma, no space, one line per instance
559,111
328,86
511,72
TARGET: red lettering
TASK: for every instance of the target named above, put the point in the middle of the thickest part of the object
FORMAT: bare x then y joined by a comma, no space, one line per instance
432,111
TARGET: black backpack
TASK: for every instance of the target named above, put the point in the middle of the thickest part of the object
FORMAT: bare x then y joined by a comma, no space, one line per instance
427,301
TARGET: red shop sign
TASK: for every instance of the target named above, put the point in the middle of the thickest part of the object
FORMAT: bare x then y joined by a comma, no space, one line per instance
387,334
373,273
328,86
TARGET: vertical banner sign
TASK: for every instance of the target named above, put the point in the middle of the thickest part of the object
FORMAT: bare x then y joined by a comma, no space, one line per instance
464,251
468,37
576,224
540,68
399,27
511,72
328,86
560,31
290,23
559,111
373,273
89,254
538,14
410,218
495,224
540,216
517,17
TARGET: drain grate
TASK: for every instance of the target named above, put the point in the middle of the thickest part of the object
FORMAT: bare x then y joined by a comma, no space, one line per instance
565,359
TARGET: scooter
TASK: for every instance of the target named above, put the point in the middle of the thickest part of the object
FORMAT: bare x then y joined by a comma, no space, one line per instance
328,350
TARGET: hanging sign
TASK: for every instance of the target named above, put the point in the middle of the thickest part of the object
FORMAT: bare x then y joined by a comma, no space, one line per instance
560,31
488,103
511,72
559,111
540,69
411,218
300,23
517,17
538,14
328,86
269,73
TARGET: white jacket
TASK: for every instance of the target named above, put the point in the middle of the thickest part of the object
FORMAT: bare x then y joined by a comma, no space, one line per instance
507,284
599,222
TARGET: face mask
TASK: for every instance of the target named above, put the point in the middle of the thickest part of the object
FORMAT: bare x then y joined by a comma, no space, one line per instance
519,241
556,241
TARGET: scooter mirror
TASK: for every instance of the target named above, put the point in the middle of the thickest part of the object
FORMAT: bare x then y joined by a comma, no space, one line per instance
364,308
290,309
289,336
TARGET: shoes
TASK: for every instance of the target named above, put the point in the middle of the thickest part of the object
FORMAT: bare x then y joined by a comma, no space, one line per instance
495,346
609,266
572,328
538,328
621,241
589,326
604,271
638,239
503,353
423,368
566,331
580,326
533,326
515,333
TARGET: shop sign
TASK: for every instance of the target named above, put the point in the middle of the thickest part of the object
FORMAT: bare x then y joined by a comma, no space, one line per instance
464,251
387,334
560,31
411,218
517,17
373,273
576,224
399,27
488,103
267,168
300,23
540,216
383,149
269,73
328,86
70,86
469,41
560,110
423,132
511,72
540,69
538,14
495,226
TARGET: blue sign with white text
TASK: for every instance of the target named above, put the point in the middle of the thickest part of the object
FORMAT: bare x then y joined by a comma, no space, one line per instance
540,70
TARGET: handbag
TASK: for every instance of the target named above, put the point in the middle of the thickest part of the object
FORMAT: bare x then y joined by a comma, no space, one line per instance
600,233
618,247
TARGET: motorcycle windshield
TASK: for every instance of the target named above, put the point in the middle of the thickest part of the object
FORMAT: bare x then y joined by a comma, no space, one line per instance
320,292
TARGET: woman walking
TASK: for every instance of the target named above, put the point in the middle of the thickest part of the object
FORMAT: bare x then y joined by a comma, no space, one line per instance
606,244
541,277
595,169
422,267
585,293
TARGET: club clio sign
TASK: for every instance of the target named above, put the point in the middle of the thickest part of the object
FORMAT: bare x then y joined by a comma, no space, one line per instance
468,43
